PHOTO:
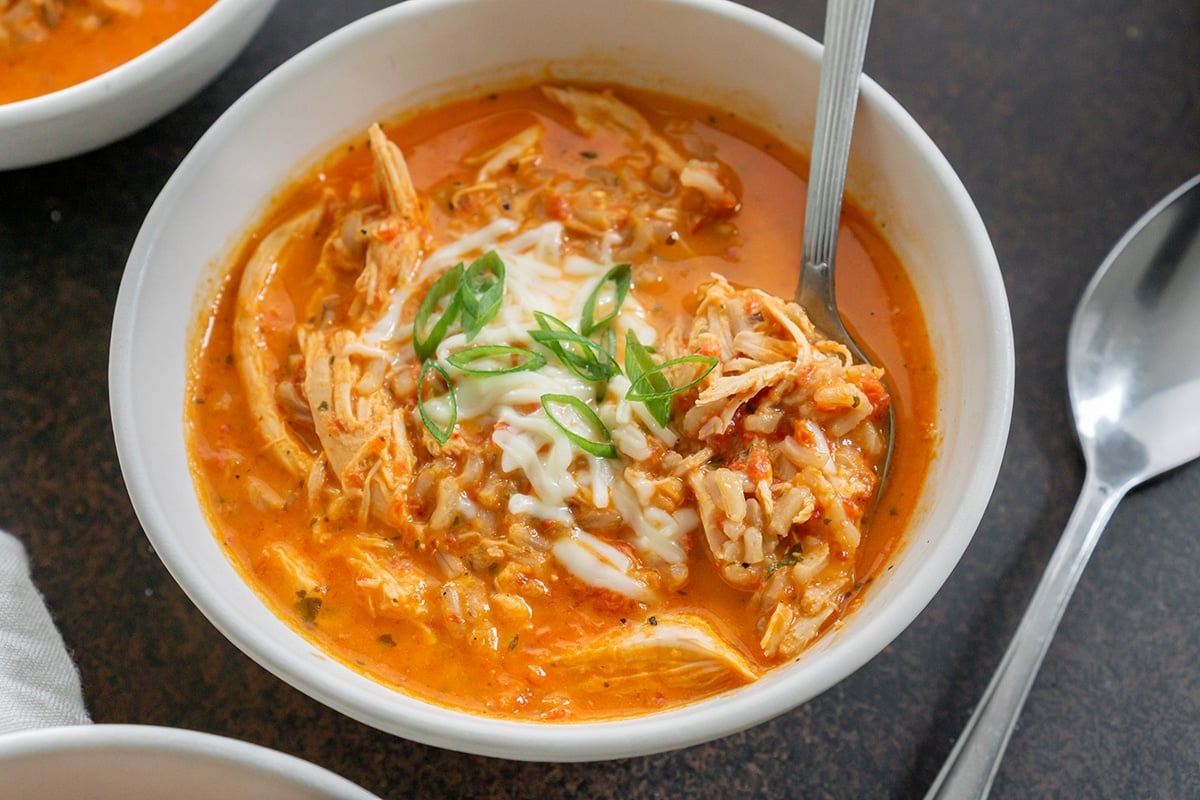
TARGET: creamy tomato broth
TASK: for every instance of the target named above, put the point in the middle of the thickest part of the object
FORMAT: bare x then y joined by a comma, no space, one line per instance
502,406
47,45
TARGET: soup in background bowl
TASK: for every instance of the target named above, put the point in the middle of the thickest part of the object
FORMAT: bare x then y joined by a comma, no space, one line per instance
48,46
386,68
81,74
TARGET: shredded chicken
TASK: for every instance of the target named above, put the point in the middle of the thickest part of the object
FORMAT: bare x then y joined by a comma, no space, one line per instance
769,456
801,477
261,375
394,240
675,648
363,434
625,209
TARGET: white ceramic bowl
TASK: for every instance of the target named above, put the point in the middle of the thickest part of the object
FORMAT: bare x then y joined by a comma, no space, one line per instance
763,70
130,96
143,762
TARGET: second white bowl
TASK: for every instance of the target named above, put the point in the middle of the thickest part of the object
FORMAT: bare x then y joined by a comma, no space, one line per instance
128,97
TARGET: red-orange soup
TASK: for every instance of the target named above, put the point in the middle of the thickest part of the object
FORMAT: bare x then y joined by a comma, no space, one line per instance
441,567
48,45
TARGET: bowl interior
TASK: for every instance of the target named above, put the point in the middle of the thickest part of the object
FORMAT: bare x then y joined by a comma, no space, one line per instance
394,60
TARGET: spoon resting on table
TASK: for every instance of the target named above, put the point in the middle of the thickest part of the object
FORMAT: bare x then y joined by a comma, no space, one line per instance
1133,373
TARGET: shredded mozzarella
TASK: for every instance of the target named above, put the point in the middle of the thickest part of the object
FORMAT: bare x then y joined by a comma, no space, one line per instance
656,531
599,564
539,277
533,445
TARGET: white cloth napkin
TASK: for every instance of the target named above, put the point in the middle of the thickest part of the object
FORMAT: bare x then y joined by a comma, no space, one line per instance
39,684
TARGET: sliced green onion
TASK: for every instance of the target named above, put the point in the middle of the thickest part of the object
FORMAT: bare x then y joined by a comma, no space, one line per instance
608,340
583,356
441,434
426,336
587,359
473,294
610,293
646,386
598,441
639,363
481,292
549,322
498,359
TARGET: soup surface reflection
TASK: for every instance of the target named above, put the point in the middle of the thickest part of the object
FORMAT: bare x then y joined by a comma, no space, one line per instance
503,406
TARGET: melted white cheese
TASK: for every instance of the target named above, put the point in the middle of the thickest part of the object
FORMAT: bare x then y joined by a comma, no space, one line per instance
539,277
599,564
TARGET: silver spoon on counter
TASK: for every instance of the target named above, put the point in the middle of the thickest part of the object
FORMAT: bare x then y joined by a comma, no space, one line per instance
1133,372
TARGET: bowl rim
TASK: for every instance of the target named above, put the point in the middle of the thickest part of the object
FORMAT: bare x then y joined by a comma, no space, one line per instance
641,735
141,68
36,743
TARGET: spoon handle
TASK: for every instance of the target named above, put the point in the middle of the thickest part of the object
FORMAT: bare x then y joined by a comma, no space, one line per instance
847,23
972,765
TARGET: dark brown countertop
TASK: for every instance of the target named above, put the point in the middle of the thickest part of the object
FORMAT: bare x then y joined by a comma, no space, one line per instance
1065,119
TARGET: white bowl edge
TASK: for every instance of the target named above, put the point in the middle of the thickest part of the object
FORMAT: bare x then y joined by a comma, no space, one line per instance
140,762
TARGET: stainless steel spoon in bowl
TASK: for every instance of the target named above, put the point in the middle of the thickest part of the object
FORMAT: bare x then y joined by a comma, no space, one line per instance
847,23
1133,373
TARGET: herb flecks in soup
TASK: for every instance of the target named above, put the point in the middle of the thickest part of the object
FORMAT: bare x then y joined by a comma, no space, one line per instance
489,410
47,45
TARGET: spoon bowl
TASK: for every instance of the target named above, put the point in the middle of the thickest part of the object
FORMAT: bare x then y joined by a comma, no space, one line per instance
1133,367
1133,374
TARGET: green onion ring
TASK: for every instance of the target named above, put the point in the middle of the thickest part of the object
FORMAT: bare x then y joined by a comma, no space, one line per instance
649,392
620,277
481,292
602,447
446,286
595,365
464,359
441,434
583,356
638,362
